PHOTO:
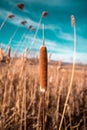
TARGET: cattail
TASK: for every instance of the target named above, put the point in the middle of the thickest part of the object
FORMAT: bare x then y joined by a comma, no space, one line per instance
73,20
20,6
9,51
1,54
26,53
24,22
73,69
11,38
31,28
8,55
44,13
11,16
49,57
43,68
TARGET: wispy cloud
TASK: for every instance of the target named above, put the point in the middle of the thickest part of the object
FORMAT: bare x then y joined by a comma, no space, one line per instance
54,3
51,46
82,40
3,13
68,57
17,19
65,36
58,35
58,52
81,58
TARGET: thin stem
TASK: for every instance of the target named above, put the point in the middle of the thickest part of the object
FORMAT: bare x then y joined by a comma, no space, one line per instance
71,81
43,33
35,33
20,41
9,43
6,18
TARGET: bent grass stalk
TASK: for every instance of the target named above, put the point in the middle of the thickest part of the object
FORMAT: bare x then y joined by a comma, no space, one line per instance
19,43
20,6
44,14
11,38
5,20
23,107
72,75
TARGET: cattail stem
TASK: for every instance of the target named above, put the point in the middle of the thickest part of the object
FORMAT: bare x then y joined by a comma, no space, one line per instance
19,43
35,33
38,119
43,32
43,79
13,35
71,81
6,18
44,14
43,103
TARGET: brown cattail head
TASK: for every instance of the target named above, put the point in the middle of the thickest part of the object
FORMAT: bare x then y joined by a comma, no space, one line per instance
73,20
43,68
11,16
26,53
1,54
8,55
44,13
24,22
31,28
20,6
9,51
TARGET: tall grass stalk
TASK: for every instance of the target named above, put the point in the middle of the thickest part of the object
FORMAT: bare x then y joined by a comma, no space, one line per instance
71,81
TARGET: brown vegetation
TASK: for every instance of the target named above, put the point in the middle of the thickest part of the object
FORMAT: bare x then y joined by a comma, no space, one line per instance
43,68
20,97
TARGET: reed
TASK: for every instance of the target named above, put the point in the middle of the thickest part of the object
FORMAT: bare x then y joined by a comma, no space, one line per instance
19,95
1,54
43,84
43,68
72,74
8,55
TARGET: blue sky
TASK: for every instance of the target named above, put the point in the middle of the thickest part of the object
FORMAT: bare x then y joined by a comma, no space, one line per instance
58,30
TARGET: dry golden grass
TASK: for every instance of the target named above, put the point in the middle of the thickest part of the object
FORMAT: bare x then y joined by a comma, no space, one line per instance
20,97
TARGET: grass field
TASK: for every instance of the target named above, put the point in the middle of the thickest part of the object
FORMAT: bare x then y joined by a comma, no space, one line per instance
20,98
